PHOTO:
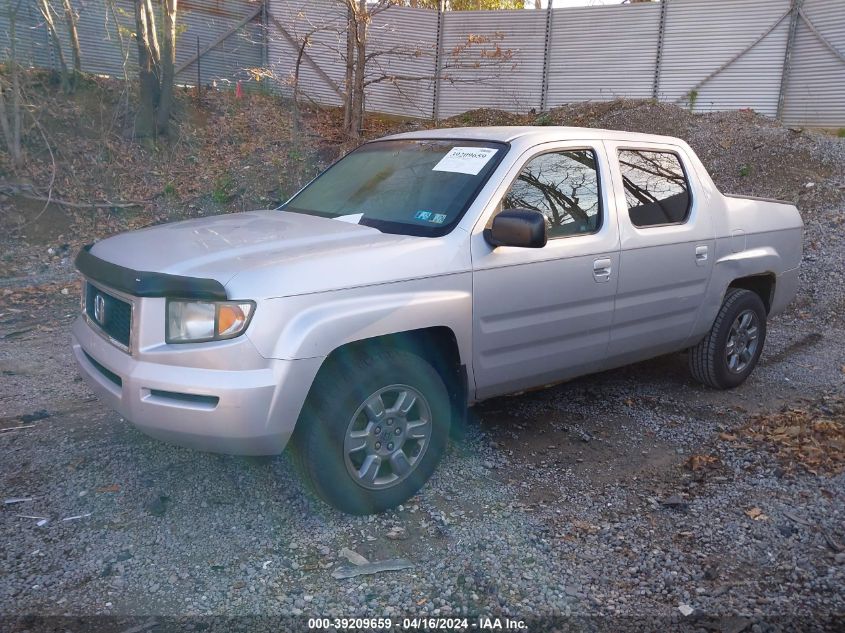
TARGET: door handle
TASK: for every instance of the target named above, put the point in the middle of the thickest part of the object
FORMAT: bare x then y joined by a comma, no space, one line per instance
602,269
700,255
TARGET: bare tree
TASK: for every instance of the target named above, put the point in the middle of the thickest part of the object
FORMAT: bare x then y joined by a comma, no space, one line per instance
123,34
353,30
360,16
71,20
156,67
369,61
148,68
168,64
47,13
10,113
350,69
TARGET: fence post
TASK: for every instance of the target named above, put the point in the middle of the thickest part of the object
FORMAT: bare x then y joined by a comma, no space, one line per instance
438,60
544,89
265,34
661,32
199,69
787,55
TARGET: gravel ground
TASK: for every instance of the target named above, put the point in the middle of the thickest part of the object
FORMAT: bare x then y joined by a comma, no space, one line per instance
553,504
577,501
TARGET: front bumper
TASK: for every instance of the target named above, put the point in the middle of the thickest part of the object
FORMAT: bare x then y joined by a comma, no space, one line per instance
236,411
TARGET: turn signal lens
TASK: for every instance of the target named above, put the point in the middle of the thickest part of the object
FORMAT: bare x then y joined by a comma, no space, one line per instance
231,318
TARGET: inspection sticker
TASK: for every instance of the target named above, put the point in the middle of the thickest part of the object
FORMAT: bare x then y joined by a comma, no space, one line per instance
465,160
430,216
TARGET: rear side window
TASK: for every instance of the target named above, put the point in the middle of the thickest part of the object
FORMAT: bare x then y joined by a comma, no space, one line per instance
656,189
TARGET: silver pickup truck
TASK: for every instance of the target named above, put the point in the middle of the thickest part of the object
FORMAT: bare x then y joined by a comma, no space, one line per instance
418,275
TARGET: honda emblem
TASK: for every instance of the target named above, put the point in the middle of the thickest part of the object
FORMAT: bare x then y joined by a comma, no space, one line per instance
99,308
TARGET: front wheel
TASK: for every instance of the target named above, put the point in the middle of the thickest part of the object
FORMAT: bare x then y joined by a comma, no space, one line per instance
373,430
730,351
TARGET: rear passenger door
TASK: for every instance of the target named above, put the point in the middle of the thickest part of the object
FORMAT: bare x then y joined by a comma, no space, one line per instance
667,243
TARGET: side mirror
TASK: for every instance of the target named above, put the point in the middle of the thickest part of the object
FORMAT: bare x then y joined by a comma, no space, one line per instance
524,228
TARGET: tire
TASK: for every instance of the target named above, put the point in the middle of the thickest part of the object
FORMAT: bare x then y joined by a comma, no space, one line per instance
338,445
730,351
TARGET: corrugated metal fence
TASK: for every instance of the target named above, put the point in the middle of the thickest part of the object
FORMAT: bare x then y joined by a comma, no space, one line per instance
782,58
231,30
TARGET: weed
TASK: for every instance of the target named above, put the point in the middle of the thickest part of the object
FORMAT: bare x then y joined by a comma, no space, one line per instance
692,98
744,171
841,132
544,119
223,189
169,190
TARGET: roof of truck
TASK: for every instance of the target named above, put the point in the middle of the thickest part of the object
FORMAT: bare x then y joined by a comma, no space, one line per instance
509,133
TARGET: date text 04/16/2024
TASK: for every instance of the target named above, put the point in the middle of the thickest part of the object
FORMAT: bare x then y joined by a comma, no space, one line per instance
481,623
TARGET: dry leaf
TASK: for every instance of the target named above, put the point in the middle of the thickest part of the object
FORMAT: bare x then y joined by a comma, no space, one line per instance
111,488
756,514
699,462
811,437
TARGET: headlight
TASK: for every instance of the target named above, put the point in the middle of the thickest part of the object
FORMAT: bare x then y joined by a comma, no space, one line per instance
198,321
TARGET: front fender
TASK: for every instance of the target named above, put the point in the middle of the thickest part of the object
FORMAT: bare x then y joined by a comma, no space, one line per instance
309,326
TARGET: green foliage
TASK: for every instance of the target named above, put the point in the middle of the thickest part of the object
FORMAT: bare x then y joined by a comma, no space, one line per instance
224,188
744,171
169,190
544,119
692,98
841,132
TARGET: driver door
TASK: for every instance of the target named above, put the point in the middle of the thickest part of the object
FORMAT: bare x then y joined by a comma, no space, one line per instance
543,315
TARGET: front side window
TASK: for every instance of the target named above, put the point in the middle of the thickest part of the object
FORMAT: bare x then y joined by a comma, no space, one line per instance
564,187
656,188
407,186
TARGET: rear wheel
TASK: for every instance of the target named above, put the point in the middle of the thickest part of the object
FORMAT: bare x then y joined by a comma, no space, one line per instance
730,351
373,430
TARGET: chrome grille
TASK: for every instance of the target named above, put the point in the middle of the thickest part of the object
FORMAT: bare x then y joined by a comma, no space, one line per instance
112,315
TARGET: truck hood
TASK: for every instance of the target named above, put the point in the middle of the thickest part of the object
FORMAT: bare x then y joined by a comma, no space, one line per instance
262,254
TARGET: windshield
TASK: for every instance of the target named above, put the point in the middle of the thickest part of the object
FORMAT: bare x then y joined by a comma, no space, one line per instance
415,187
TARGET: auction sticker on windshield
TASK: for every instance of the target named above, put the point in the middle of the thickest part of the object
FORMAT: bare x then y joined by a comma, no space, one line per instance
465,160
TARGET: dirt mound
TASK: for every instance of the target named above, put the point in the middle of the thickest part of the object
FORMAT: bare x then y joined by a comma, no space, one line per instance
230,154
224,154
745,152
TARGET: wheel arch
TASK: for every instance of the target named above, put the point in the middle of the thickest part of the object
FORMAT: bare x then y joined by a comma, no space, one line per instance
763,285
437,345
